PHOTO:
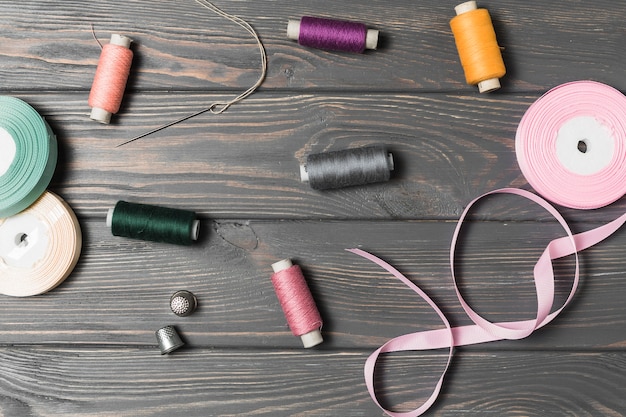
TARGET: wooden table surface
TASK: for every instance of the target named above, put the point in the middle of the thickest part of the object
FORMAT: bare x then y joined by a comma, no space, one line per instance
88,347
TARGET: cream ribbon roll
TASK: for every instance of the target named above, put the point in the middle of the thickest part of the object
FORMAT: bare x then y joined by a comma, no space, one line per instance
39,247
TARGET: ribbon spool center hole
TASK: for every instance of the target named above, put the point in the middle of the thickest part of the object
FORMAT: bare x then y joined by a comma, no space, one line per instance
21,239
582,146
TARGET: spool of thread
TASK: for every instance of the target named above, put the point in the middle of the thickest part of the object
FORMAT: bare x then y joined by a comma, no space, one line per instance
28,155
348,167
332,35
110,80
153,223
571,145
478,48
39,247
297,303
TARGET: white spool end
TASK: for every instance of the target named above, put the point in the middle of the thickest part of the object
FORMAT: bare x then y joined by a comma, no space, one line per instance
282,265
9,149
313,338
100,115
195,229
584,146
293,29
304,175
390,163
120,40
468,6
110,217
371,39
24,240
489,85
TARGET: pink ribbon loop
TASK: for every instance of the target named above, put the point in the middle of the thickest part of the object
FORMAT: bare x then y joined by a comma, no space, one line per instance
483,330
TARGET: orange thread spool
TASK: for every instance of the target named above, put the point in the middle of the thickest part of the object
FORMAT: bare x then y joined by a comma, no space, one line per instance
478,48
107,90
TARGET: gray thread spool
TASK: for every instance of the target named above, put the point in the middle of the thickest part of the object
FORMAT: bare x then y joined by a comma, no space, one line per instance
347,167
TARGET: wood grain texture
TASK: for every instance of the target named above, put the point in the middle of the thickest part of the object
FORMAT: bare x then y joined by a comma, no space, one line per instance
120,289
199,382
245,163
88,348
181,46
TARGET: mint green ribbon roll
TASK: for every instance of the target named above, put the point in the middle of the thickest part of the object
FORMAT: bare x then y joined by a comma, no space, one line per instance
28,155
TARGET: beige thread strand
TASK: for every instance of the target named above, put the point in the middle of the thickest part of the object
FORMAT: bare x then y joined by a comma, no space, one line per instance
220,107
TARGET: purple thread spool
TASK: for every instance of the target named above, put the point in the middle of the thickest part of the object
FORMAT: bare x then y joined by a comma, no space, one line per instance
333,35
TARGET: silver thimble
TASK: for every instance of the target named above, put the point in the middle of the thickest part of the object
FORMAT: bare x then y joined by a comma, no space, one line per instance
183,303
168,339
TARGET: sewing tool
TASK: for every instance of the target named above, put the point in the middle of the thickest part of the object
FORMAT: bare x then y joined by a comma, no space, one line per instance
107,90
483,330
347,167
28,155
39,247
183,303
332,34
297,302
168,339
571,145
153,223
219,107
477,46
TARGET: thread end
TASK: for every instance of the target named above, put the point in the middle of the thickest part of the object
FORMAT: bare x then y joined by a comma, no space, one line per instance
489,85
120,40
304,175
100,115
371,39
293,29
110,217
195,229
282,265
313,338
468,6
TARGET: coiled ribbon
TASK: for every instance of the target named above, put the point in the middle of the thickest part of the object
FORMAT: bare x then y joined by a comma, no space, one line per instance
571,145
28,157
484,330
39,247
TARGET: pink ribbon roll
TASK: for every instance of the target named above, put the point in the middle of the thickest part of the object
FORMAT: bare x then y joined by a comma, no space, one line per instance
484,330
571,145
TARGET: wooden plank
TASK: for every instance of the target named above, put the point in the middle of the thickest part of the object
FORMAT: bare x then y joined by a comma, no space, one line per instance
182,46
119,292
88,347
245,163
215,382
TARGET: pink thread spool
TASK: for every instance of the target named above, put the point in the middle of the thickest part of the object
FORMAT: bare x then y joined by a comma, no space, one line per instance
107,90
332,35
297,303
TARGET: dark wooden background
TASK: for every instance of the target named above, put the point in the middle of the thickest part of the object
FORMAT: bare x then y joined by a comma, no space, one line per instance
88,347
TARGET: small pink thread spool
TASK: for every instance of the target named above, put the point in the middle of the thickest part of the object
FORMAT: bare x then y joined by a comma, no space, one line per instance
107,90
332,35
297,303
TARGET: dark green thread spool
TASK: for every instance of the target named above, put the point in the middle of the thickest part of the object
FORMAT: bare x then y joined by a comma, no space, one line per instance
153,223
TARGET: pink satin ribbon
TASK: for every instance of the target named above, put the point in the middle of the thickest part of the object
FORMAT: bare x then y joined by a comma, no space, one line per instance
548,136
483,330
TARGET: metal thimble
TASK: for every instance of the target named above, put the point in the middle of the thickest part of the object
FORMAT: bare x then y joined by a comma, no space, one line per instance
168,339
183,303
